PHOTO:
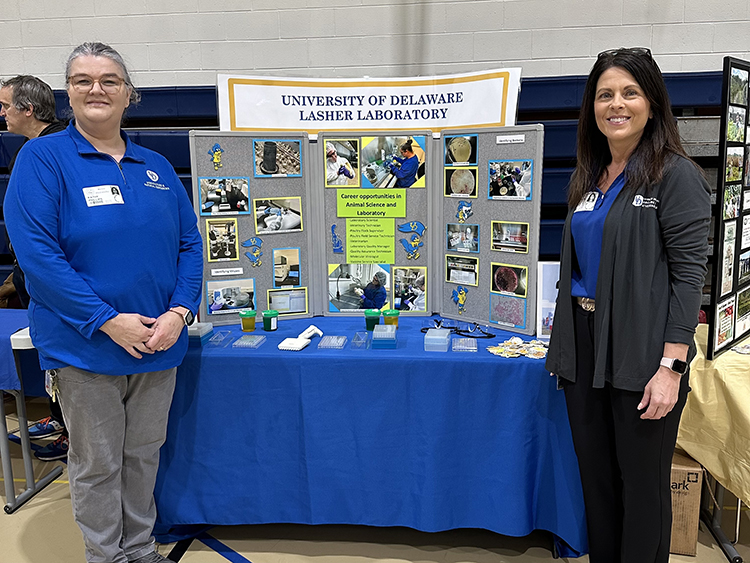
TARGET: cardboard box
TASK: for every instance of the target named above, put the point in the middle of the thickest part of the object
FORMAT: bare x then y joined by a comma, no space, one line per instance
687,478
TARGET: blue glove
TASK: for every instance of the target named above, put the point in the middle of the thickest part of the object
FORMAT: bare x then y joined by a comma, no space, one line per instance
345,171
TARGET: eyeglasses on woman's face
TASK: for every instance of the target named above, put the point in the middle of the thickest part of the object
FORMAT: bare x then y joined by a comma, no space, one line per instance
109,83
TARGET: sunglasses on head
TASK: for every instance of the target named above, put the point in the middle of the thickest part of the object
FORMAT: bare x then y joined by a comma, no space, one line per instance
643,51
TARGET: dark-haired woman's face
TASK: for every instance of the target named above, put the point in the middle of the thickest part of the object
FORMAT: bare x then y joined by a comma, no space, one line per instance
621,108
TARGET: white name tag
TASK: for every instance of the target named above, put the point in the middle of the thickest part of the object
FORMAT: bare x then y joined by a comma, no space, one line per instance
102,195
588,202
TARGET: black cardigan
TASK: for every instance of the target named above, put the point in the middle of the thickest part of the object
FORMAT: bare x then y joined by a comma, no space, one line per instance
651,275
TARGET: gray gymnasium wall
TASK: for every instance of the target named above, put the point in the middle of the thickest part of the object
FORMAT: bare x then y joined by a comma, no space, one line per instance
184,42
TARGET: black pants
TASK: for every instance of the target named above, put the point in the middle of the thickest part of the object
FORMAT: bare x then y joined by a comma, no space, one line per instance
625,462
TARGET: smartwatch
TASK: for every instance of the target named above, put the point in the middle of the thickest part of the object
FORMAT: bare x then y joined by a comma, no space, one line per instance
677,366
187,318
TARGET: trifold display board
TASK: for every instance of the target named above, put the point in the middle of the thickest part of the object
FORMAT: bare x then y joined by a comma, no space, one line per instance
729,316
407,220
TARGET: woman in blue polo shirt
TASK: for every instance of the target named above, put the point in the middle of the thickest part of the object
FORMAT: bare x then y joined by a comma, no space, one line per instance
108,240
632,264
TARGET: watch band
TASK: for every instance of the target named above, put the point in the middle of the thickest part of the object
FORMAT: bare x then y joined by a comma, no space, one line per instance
676,365
187,318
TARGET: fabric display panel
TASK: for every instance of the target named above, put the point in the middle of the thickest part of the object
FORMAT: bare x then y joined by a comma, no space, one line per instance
250,194
375,193
489,206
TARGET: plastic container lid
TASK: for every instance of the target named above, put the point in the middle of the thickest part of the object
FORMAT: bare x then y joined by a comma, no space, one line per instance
246,314
372,312
270,313
391,313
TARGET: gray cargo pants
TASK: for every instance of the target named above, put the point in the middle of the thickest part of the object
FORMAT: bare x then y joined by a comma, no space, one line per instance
117,425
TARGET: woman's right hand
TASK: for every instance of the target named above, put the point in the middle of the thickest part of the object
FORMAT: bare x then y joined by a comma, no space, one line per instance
131,331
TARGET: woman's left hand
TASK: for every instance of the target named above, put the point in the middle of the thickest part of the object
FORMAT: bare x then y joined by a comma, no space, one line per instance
660,394
167,330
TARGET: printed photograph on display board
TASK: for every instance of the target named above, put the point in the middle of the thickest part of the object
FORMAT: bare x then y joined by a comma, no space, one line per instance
462,237
460,182
288,301
393,162
460,150
507,311
510,179
724,323
743,312
735,157
746,201
341,163
746,170
410,289
743,268
509,279
732,195
230,296
222,240
549,274
736,124
508,236
224,196
286,267
277,158
462,270
727,257
358,286
745,232
278,215
738,82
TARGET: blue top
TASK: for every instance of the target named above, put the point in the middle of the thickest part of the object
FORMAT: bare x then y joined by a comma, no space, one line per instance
374,297
95,239
587,227
407,174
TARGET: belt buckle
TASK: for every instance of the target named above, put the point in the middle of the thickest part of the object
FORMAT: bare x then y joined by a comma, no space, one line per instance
587,304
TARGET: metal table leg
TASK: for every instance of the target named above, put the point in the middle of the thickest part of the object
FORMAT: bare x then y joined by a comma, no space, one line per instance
712,519
32,486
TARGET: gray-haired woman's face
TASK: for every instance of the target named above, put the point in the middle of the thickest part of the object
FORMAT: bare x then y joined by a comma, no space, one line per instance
103,102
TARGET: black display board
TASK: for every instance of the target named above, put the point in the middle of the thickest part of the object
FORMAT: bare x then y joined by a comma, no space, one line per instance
729,316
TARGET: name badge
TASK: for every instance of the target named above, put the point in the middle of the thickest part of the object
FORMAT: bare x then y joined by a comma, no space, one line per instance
102,195
588,202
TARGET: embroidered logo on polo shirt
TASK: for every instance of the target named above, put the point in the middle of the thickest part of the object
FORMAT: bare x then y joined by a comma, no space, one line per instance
645,202
154,183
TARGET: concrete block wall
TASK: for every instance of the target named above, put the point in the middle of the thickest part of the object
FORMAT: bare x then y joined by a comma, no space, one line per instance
184,42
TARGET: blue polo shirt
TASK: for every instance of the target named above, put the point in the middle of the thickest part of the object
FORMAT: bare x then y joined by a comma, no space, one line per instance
587,227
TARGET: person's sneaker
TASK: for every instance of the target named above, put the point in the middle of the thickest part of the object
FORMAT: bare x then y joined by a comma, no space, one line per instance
152,557
45,428
54,450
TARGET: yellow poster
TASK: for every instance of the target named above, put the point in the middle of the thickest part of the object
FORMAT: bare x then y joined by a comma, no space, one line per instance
366,203
370,241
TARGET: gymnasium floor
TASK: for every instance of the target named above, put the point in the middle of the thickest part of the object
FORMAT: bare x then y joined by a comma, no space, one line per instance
43,531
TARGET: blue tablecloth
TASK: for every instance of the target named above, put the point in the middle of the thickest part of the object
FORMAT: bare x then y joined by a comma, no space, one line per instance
428,440
11,320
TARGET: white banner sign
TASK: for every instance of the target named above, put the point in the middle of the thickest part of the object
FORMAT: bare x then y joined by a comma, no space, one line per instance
478,99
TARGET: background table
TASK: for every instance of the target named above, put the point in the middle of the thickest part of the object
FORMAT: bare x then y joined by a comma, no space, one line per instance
428,440
715,425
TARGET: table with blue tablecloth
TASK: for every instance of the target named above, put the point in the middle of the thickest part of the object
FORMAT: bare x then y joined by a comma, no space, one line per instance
427,440
12,320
